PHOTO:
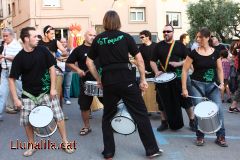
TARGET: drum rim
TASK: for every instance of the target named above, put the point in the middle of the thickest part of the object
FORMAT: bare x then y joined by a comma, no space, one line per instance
126,118
175,75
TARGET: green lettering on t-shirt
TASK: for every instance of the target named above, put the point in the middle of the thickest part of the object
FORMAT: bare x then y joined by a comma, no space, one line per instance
46,82
178,72
209,75
108,41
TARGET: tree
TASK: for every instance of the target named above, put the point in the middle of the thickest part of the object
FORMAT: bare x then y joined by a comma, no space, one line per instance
222,17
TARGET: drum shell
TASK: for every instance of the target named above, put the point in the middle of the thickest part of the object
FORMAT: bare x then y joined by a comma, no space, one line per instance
169,101
149,98
209,124
91,89
47,130
122,122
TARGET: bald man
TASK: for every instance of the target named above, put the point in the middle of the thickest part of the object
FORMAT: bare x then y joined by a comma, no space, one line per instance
79,55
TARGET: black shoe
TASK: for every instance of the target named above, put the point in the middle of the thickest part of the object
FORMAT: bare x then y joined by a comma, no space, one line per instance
192,125
162,127
107,155
229,100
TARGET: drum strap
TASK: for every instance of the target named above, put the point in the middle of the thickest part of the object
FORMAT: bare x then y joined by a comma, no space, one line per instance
32,97
168,57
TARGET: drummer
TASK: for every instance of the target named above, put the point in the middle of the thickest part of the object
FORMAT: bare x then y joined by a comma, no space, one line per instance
79,55
207,70
35,65
119,82
171,55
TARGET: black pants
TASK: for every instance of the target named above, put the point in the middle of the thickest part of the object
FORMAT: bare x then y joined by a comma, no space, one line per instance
130,93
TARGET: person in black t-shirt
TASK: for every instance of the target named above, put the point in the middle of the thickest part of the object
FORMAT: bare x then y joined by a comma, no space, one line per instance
119,82
53,45
79,55
171,55
35,65
146,49
207,71
218,47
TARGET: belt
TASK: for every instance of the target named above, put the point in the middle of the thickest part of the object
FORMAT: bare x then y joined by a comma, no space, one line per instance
5,68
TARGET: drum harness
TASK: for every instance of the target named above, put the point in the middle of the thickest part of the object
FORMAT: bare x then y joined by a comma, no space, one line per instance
33,98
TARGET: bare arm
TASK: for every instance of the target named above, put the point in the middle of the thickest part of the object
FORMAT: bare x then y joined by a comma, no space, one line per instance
93,70
76,69
155,68
186,66
220,73
141,67
13,91
53,91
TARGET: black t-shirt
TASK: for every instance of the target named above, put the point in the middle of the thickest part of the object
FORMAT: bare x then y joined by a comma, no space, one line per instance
79,55
51,45
113,47
179,53
219,48
204,66
147,52
33,67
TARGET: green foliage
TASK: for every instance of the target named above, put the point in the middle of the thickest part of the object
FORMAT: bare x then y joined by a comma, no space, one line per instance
222,17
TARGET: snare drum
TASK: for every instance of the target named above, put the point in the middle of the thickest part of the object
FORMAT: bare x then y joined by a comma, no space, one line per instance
122,122
165,77
41,118
207,114
91,89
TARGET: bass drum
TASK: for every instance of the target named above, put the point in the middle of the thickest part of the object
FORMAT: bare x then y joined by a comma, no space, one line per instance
122,122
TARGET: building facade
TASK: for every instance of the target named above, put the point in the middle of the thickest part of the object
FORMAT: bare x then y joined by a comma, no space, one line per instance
136,15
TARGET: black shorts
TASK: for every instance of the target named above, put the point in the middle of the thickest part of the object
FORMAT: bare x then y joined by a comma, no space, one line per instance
84,100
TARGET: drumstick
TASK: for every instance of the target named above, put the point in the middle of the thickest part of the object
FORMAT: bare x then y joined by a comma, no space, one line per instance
217,85
86,71
198,97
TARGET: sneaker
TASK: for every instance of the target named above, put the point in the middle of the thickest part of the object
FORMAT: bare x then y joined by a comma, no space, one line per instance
200,141
159,153
221,141
192,125
162,127
68,102
231,110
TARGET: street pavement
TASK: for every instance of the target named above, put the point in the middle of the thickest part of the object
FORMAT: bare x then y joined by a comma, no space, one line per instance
177,145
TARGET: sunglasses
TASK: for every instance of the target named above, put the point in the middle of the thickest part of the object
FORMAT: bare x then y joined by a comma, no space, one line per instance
48,29
142,37
167,31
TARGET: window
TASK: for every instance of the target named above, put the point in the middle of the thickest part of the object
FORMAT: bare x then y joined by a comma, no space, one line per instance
174,18
9,9
137,14
61,33
13,9
51,3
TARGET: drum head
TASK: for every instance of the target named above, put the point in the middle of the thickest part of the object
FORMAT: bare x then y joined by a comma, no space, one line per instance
123,125
165,77
40,116
205,109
